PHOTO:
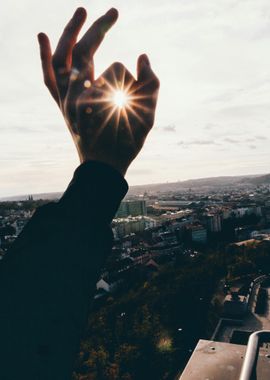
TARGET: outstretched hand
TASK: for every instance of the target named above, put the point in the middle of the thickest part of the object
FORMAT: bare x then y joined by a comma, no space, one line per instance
108,117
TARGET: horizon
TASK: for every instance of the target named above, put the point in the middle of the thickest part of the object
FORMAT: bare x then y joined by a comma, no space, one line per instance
7,197
213,114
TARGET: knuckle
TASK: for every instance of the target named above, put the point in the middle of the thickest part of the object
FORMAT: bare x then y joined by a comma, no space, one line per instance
118,66
157,82
69,29
154,85
98,27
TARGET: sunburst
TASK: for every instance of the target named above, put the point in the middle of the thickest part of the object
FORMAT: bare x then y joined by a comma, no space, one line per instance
121,100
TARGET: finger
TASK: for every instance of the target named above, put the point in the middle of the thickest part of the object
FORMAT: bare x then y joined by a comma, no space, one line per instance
82,75
116,78
145,74
147,90
62,57
85,49
46,61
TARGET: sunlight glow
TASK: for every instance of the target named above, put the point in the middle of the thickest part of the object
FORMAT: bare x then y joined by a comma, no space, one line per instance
120,98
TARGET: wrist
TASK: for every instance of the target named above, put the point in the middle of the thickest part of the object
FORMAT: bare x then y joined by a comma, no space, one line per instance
96,189
119,167
109,157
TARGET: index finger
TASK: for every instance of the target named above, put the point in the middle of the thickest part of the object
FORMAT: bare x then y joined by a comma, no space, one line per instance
63,52
85,49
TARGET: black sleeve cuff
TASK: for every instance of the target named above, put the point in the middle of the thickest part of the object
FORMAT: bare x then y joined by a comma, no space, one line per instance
95,191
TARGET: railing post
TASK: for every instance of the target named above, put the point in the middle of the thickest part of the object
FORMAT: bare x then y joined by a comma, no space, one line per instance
248,371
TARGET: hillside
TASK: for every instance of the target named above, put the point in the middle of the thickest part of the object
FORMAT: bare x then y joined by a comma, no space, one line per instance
194,184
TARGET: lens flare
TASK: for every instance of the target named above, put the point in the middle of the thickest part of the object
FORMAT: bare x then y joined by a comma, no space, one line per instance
120,98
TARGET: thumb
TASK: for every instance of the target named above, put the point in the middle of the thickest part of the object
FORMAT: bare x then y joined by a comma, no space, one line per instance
145,75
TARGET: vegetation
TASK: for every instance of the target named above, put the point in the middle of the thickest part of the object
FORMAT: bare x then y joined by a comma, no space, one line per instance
150,328
28,205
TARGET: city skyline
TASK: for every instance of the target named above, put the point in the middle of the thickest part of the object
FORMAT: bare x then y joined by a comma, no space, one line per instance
213,114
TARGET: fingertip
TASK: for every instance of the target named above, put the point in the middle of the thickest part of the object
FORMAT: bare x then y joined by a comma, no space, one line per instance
41,37
143,59
113,13
43,41
143,66
81,13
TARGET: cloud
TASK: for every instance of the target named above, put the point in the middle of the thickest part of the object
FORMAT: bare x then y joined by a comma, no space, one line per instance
260,137
209,126
19,129
169,128
231,141
225,142
197,142
138,171
246,140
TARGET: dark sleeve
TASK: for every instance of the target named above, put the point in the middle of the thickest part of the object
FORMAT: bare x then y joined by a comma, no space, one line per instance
48,277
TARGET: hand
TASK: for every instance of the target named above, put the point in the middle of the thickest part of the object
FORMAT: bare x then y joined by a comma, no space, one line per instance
101,130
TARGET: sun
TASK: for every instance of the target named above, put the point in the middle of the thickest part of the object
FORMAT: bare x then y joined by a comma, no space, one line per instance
120,98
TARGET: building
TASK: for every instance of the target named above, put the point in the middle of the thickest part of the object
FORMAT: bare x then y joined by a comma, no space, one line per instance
198,233
235,305
127,226
174,203
214,222
132,208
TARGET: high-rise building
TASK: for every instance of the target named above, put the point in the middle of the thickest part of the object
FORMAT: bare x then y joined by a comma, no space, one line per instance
131,208
214,222
198,233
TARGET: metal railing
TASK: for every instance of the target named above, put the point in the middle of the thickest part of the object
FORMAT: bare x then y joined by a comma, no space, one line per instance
248,371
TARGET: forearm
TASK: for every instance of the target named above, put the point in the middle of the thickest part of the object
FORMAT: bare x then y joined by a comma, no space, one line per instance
49,276
99,195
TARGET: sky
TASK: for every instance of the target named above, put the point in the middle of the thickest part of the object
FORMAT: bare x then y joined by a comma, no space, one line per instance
213,113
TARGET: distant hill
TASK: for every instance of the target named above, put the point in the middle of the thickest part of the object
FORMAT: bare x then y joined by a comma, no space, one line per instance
195,184
260,180
46,196
200,183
